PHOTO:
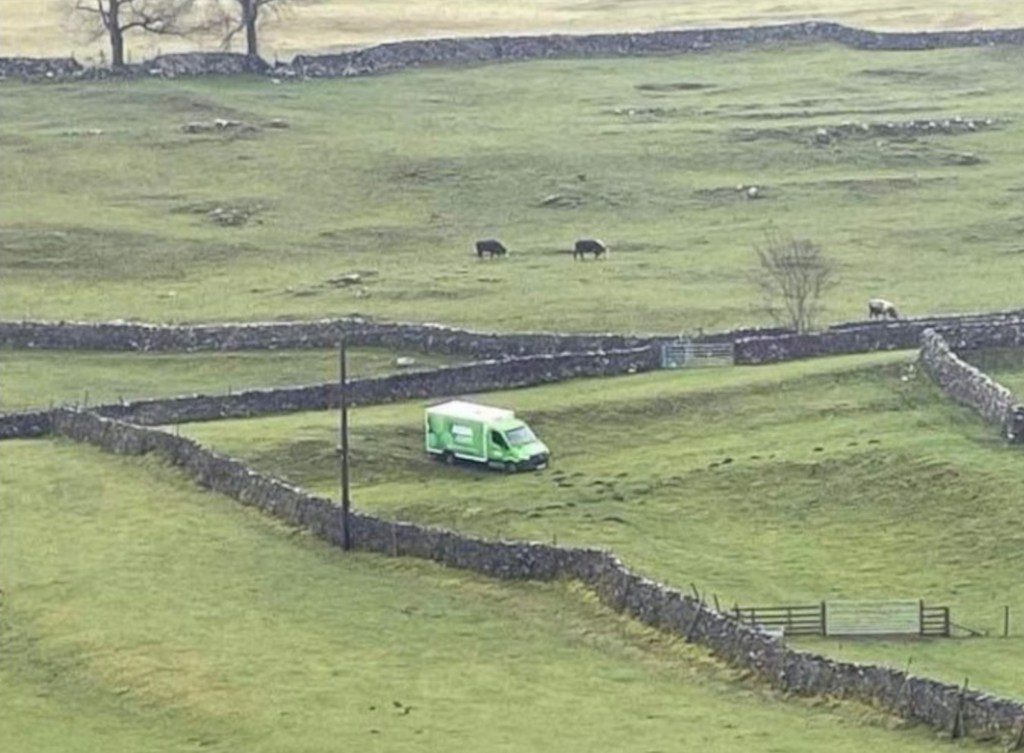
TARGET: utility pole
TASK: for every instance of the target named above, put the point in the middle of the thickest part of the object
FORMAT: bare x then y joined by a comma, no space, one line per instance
346,536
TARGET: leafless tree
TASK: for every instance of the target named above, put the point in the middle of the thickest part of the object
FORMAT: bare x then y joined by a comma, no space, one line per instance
793,275
234,17
114,18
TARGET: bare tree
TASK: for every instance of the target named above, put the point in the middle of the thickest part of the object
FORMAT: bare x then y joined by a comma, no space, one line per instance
234,17
793,275
114,18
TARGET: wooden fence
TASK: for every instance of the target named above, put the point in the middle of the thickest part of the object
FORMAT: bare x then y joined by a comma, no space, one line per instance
792,620
851,618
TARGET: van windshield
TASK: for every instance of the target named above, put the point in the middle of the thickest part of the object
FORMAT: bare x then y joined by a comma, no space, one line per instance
521,435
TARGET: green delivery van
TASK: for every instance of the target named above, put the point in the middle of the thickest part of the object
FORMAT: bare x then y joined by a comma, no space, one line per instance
482,434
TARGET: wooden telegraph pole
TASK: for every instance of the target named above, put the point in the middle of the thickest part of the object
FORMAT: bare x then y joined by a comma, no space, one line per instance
346,536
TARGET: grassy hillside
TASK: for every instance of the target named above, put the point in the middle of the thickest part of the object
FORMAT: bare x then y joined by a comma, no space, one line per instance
323,25
395,177
39,378
834,478
1004,365
142,614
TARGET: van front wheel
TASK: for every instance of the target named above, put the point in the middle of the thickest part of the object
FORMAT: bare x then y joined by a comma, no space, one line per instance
510,467
448,458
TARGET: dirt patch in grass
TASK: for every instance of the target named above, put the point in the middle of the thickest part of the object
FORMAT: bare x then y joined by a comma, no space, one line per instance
225,213
582,194
731,194
676,86
428,172
431,294
894,73
873,186
631,247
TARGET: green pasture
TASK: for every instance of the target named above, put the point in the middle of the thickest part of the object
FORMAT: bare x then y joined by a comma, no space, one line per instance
841,478
41,378
140,613
111,211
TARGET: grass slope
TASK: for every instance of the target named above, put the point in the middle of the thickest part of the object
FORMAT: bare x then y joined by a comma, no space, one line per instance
1005,365
394,177
38,378
337,24
140,613
835,478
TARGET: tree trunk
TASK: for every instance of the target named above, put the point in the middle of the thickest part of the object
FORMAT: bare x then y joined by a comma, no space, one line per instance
113,23
116,47
249,12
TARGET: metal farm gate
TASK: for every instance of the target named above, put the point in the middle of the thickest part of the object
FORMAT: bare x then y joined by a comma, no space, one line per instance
685,354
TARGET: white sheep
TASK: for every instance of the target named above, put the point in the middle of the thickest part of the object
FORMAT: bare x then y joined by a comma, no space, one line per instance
881,308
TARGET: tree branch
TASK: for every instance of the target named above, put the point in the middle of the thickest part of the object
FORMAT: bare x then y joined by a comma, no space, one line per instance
796,272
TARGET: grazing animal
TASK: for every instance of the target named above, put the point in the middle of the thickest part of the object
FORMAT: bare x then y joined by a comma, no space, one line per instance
490,247
879,308
586,246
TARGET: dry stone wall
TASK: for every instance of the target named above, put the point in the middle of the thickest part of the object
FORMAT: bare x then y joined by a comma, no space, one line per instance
753,345
325,333
27,425
508,373
39,68
944,707
999,330
476,50
970,386
162,66
484,376
626,354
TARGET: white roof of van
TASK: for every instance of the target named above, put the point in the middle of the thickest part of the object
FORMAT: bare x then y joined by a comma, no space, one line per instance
467,410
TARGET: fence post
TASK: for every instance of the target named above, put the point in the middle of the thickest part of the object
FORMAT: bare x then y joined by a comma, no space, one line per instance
945,622
1006,621
958,731
824,621
920,616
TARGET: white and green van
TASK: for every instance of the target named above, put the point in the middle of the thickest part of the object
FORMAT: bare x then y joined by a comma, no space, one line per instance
482,434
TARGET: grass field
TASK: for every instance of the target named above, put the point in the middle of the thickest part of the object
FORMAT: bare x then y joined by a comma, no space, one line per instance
1006,366
39,378
330,25
140,613
395,177
832,478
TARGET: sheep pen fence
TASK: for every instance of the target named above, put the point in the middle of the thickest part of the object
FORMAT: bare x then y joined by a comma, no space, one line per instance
887,618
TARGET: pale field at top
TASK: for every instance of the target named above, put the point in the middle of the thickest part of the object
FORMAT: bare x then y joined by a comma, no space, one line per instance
34,29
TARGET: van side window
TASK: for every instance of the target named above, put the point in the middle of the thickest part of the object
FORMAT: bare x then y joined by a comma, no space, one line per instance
499,440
